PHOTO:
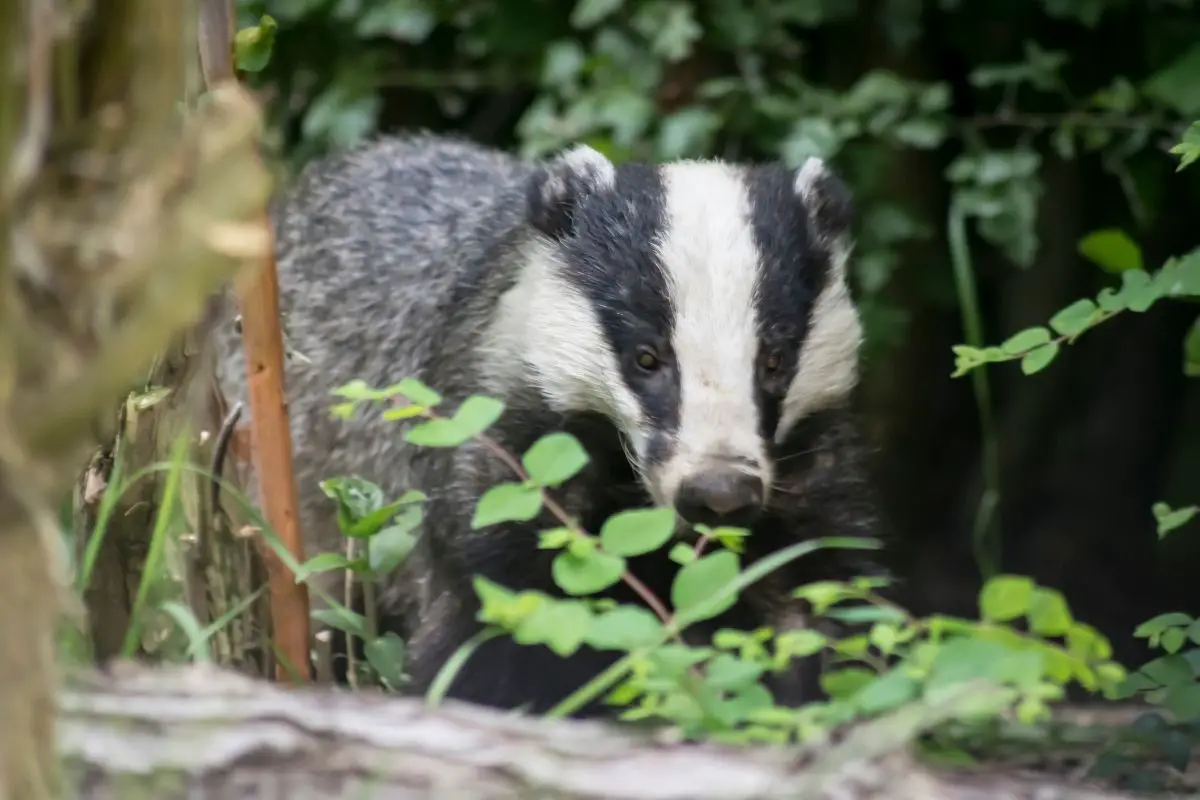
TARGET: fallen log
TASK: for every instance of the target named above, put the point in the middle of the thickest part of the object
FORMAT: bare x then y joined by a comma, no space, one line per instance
201,731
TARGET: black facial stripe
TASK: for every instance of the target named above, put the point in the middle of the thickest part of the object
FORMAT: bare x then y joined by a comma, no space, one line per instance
610,256
792,272
770,409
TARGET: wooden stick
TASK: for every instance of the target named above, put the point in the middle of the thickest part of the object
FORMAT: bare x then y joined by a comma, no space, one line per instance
270,434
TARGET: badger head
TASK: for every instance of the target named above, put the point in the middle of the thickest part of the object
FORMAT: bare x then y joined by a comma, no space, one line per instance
702,307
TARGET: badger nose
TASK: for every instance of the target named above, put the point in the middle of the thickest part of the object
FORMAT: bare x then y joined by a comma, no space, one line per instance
720,496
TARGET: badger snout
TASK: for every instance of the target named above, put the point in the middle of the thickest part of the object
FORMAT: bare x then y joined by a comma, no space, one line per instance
721,494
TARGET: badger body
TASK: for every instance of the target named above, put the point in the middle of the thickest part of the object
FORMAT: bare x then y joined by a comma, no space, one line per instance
690,323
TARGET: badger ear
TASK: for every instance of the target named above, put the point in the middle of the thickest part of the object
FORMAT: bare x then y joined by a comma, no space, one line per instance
555,192
826,199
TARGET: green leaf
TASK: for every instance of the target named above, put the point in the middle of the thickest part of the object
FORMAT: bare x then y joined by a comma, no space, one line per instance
1139,290
361,510
476,415
386,656
555,538
370,525
324,562
344,113
554,458
408,21
343,619
866,613
1176,86
1112,250
1155,626
398,413
1039,358
561,625
507,502
799,643
1005,597
885,636
392,545
822,594
1191,350
810,136
626,628
699,581
1188,148
252,46
924,133
436,433
1048,613
726,672
197,637
583,575
1173,639
1026,340
682,554
563,62
1075,318
1169,519
416,393
472,418
1110,301
686,132
846,682
886,692
671,27
672,660
587,13
1183,701
637,531
962,660
1168,670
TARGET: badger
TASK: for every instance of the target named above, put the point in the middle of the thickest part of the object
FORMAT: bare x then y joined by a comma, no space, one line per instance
691,323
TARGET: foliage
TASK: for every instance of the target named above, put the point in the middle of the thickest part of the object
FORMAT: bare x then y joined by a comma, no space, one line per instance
673,78
716,691
1171,681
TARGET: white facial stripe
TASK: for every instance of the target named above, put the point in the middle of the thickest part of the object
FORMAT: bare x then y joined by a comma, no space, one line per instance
711,261
828,366
546,322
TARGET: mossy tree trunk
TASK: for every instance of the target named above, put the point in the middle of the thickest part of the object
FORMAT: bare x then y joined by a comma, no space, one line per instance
118,218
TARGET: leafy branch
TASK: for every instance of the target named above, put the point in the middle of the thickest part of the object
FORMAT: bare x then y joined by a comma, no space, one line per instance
1037,346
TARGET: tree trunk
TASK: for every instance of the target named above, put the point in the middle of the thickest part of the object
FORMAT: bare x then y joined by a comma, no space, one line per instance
118,218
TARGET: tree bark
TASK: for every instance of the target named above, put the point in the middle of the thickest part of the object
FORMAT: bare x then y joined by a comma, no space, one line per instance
118,217
202,731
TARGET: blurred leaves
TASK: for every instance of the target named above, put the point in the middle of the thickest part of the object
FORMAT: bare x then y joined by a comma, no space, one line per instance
665,79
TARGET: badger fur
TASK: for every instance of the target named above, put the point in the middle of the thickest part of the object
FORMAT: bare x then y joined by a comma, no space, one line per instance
690,323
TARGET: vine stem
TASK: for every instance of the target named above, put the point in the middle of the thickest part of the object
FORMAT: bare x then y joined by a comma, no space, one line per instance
987,548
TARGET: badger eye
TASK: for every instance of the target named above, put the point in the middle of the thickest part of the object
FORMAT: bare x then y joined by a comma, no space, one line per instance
647,360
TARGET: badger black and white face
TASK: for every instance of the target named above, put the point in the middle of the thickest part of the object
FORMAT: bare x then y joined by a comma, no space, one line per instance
702,306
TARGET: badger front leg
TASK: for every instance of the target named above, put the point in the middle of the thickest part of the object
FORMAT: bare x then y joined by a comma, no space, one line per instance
800,682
